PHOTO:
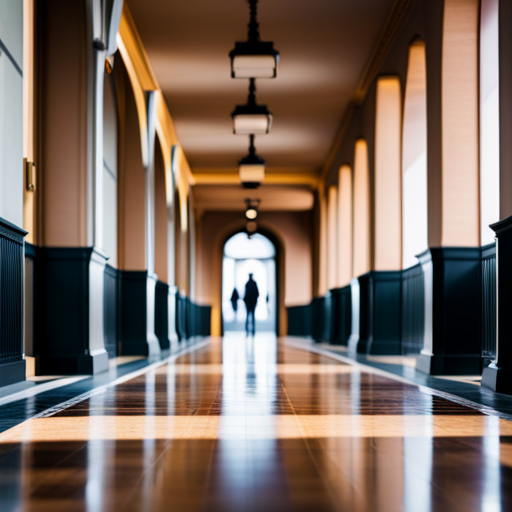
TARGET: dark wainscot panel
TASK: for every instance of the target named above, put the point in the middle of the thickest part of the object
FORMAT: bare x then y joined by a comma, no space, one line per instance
317,318
12,364
413,310
69,324
379,323
453,342
328,318
299,320
341,311
29,292
498,374
135,306
111,310
181,316
191,319
162,314
488,304
199,319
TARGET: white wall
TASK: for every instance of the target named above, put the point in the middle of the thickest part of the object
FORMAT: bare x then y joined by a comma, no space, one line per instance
489,120
414,158
109,173
11,111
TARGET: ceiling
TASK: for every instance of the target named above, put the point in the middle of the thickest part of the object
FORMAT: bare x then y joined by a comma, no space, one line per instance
324,46
232,198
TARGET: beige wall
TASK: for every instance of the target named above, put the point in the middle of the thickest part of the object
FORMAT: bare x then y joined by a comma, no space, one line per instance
63,114
131,209
361,204
387,177
344,236
460,182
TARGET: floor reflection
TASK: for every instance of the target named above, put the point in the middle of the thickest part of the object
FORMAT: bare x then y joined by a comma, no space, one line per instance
250,424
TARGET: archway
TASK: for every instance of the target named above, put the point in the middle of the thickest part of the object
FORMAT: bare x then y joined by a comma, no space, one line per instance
243,256
277,240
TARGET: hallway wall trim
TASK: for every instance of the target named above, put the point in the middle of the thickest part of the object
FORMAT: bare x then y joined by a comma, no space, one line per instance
68,311
135,307
452,342
443,309
12,364
111,307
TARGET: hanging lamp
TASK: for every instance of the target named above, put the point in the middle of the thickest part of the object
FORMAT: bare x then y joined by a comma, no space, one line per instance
251,208
251,118
251,168
254,58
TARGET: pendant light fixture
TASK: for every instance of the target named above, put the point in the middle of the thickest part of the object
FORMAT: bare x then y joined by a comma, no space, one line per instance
251,168
251,118
251,208
254,58
251,227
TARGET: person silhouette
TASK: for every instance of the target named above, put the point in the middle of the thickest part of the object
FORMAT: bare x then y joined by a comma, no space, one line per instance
250,299
234,301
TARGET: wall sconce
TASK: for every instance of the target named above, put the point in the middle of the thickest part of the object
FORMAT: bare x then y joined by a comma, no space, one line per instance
30,176
251,118
251,168
254,58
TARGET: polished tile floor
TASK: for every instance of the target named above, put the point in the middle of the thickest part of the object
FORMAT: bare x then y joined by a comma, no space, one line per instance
253,425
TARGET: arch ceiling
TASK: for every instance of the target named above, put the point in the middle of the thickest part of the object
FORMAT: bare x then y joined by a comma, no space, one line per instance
324,48
240,246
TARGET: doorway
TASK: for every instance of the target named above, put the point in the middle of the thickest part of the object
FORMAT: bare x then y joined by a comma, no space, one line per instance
244,255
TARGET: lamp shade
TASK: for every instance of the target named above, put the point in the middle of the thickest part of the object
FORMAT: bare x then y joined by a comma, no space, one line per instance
254,59
251,213
250,173
251,119
251,168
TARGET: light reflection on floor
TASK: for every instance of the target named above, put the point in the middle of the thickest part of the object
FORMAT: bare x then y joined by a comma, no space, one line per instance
244,424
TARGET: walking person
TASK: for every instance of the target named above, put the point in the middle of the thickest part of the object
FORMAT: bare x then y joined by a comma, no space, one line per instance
250,299
234,301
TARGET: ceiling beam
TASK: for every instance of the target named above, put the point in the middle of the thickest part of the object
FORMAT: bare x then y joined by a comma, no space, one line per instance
275,178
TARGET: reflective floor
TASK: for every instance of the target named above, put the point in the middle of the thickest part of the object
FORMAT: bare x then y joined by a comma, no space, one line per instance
252,425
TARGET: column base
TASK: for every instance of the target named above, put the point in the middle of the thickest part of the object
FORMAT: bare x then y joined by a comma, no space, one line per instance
449,364
136,314
341,310
299,320
382,348
111,307
497,379
171,312
69,330
162,315
328,319
453,310
12,282
353,340
317,319
87,364
380,313
11,373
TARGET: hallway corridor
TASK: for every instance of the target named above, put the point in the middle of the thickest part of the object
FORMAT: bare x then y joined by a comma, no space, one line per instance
238,424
